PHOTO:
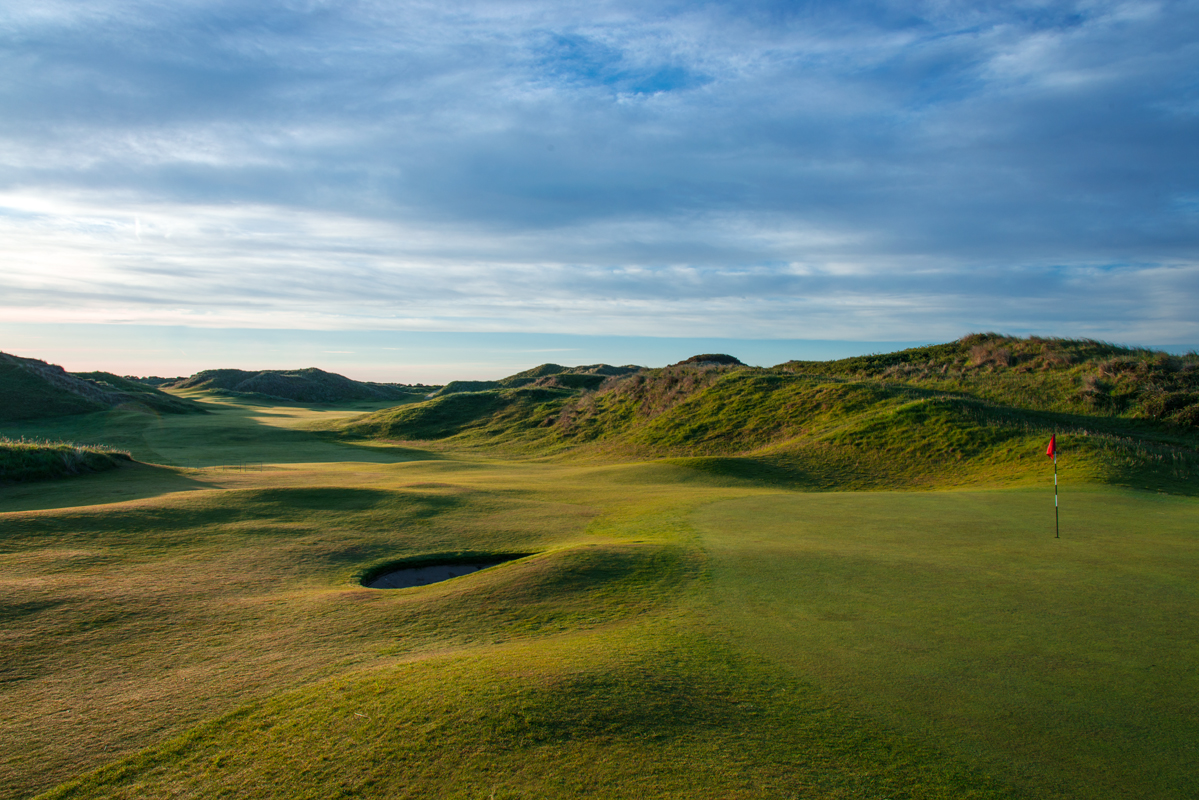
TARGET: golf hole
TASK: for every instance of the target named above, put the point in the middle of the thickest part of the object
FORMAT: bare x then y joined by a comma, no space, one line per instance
406,575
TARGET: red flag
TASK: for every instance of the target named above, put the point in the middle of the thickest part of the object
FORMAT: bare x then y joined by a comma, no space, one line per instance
1051,451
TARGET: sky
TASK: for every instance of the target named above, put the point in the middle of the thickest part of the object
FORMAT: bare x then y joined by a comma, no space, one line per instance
452,188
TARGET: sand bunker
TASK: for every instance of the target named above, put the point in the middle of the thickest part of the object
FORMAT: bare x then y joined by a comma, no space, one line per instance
424,574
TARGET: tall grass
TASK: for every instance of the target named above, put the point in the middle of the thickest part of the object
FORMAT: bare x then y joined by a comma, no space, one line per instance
31,460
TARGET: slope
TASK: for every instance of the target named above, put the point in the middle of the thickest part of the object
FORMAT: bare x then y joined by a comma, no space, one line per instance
309,385
589,376
960,415
32,389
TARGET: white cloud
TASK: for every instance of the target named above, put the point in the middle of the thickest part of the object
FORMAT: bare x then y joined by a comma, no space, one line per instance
747,170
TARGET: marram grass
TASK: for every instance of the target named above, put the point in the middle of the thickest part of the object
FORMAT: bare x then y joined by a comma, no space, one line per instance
32,460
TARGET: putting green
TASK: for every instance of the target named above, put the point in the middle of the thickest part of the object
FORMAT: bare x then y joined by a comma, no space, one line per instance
1067,666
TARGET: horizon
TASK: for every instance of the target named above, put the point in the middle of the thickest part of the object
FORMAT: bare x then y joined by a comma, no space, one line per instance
402,357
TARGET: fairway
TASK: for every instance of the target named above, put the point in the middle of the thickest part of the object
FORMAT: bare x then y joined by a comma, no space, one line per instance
203,631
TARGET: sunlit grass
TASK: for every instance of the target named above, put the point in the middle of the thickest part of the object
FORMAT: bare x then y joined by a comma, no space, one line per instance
40,459
1064,665
684,627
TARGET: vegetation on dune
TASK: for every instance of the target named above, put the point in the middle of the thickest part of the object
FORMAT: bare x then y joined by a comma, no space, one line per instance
155,380
26,394
971,410
32,389
22,460
1063,375
453,414
589,376
137,392
713,358
309,385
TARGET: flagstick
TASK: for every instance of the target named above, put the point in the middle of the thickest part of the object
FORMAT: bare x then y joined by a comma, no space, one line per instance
1057,528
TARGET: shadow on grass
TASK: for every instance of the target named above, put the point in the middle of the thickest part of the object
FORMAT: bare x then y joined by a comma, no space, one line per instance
230,435
133,481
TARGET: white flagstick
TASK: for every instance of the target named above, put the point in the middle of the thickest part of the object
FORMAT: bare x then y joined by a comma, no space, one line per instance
1057,528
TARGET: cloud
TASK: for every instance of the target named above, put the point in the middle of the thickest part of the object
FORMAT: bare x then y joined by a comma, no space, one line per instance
752,168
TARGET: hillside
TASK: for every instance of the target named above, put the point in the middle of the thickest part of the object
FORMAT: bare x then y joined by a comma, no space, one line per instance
309,385
1073,376
589,376
33,389
967,411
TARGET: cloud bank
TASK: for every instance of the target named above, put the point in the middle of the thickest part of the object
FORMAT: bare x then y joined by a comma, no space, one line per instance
864,170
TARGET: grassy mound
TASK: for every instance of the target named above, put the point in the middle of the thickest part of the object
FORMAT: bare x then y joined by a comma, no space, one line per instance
301,385
502,412
32,389
589,376
974,410
22,460
1064,375
25,394
137,392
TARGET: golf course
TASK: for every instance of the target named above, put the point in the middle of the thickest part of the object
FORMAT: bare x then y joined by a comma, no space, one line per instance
836,579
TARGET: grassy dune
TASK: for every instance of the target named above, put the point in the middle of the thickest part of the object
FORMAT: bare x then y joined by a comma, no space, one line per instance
25,460
951,415
32,389
696,618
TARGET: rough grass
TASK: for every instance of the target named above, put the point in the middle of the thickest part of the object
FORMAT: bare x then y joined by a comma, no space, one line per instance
24,395
1062,375
236,432
804,430
25,460
309,385
32,389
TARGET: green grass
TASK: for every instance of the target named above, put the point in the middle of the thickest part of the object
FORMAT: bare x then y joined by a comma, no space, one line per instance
25,460
689,625
234,432
233,616
152,398
24,395
32,389
1063,665
935,416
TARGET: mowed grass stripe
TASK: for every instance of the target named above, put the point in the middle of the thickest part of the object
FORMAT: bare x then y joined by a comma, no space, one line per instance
1066,665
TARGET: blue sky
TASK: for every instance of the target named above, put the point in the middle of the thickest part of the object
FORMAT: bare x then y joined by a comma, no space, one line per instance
853,172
